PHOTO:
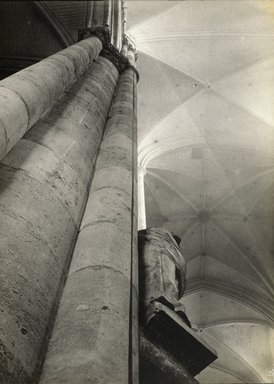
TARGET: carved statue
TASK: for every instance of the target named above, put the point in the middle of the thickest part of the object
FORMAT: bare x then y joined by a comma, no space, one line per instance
170,352
162,270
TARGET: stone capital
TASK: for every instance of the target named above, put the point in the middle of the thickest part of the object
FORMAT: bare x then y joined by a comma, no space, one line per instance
109,51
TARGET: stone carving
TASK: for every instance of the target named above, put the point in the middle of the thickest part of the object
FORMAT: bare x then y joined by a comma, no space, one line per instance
170,351
162,271
109,51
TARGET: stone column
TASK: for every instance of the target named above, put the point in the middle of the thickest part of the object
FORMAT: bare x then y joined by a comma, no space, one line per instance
141,199
108,14
98,17
95,337
28,94
134,307
116,36
44,182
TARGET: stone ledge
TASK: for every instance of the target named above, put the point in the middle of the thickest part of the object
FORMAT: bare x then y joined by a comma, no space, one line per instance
167,331
157,367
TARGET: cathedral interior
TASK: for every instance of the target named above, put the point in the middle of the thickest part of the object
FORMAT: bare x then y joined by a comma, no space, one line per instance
121,116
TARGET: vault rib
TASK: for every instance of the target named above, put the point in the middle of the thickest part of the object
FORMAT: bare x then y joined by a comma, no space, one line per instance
173,189
227,196
246,258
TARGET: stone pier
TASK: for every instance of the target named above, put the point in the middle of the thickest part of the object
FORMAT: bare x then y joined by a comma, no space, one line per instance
95,337
27,95
44,183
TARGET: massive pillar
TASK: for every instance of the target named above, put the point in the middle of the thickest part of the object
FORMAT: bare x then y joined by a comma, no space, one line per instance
44,182
61,106
28,94
95,337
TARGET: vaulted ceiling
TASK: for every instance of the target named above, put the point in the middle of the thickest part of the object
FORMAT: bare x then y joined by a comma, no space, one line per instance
206,144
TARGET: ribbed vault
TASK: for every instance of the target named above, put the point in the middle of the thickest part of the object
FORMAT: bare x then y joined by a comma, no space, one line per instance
206,143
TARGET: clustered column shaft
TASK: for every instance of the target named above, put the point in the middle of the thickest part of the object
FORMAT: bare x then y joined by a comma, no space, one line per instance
95,337
141,199
53,116
44,182
28,94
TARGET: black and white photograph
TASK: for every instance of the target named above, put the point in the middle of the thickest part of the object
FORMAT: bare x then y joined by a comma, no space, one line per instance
137,192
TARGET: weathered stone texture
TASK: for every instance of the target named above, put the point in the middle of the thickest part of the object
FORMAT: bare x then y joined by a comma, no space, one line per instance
91,341
44,181
28,94
162,266
158,367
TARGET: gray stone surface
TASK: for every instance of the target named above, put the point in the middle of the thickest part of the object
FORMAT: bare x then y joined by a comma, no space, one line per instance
166,330
170,351
28,94
158,367
162,271
96,321
44,182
